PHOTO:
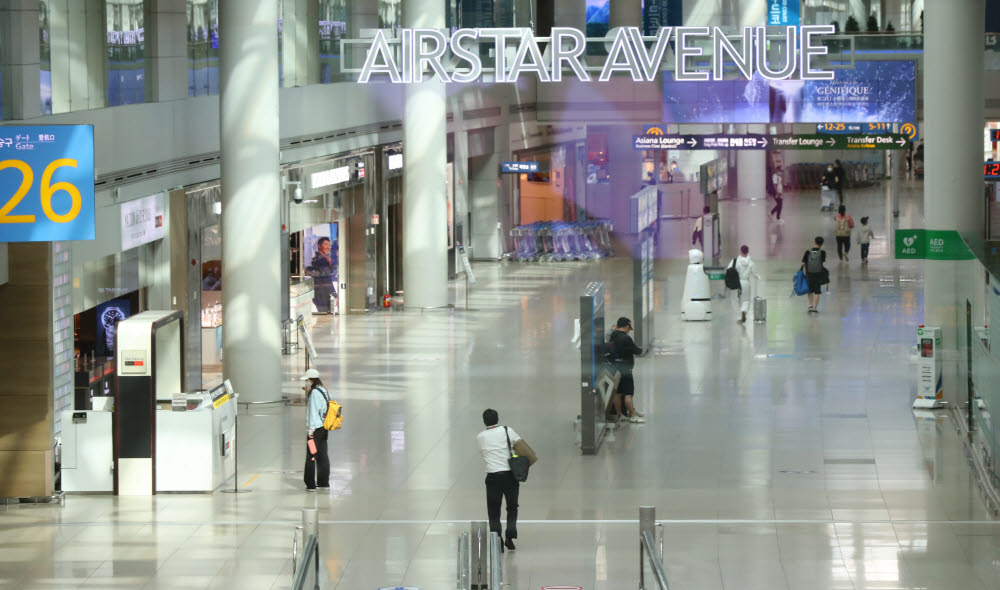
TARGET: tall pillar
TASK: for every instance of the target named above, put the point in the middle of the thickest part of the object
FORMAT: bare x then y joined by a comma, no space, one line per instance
300,42
570,13
953,185
251,221
425,231
166,50
625,13
20,54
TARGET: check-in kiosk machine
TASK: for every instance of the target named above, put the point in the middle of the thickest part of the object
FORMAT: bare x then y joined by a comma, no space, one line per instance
930,388
157,438
150,353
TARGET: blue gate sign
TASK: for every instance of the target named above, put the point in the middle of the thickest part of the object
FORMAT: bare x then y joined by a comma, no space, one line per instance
783,13
46,183
518,167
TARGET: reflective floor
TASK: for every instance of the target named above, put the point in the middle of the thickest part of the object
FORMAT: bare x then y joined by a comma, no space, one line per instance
782,455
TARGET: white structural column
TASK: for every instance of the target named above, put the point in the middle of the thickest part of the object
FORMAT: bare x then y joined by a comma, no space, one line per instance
300,42
77,32
425,231
953,183
251,222
166,50
19,50
751,170
570,13
625,13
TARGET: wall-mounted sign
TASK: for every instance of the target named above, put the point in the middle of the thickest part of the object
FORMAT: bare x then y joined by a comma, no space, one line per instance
518,167
134,362
330,177
143,220
436,50
931,245
46,183
782,13
395,161
754,141
845,128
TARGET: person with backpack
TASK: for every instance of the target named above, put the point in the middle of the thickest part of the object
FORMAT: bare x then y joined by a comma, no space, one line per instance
738,275
317,469
816,273
865,235
843,225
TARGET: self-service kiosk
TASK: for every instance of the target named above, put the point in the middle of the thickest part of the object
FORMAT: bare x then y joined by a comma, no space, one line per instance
157,438
930,389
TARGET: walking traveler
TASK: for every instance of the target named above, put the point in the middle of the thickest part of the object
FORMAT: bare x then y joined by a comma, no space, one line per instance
317,469
698,235
746,269
623,351
865,235
842,231
498,444
778,180
816,273
840,179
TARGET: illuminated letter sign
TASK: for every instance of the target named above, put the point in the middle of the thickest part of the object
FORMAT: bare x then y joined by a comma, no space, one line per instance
424,52
46,183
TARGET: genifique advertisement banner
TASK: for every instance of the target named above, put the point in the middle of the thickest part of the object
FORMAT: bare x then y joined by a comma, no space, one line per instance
871,92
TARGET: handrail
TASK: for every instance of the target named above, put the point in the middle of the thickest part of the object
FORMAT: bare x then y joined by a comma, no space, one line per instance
464,574
660,575
311,553
647,548
496,567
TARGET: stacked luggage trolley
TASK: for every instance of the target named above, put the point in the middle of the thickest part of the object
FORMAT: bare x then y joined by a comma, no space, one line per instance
558,241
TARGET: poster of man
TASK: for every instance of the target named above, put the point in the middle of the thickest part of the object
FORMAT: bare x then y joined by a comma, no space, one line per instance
322,245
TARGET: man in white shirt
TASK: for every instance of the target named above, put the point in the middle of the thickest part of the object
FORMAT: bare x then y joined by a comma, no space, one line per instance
500,482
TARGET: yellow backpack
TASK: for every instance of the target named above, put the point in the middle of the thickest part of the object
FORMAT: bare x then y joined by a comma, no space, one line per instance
334,417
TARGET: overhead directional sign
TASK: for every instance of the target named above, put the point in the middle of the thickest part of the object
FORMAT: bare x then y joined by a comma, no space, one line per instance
752,141
518,167
744,141
863,141
846,128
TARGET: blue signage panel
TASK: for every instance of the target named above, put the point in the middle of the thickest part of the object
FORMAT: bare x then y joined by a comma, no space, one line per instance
851,128
743,141
783,13
46,183
872,92
518,167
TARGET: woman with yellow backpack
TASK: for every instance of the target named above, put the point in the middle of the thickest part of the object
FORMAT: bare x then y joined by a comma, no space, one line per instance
322,416
843,225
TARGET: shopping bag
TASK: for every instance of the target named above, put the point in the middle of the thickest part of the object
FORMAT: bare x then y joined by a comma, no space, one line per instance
801,283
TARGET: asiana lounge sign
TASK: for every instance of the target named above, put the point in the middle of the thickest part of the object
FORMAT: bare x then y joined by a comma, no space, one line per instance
456,57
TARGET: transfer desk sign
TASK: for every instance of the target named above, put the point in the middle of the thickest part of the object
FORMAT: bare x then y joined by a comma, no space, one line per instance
46,183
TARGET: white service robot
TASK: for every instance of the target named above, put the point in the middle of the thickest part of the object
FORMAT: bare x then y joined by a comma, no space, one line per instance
696,306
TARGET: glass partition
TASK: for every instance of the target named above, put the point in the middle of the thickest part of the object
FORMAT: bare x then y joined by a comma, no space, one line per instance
333,26
125,61
44,57
203,47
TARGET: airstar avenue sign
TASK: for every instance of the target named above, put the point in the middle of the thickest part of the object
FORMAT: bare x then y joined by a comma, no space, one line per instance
456,58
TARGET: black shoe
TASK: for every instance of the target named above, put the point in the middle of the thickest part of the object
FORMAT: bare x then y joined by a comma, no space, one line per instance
509,544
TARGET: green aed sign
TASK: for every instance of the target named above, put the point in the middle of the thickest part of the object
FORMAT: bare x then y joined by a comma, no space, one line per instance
929,244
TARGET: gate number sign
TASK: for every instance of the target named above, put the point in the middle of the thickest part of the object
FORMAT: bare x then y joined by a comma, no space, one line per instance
46,183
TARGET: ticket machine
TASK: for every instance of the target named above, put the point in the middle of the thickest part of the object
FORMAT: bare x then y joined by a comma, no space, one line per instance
930,388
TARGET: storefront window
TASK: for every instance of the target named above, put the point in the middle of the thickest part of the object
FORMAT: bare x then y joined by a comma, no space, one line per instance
125,52
333,26
203,47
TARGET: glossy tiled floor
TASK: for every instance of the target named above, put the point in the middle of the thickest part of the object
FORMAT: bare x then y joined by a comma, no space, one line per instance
781,455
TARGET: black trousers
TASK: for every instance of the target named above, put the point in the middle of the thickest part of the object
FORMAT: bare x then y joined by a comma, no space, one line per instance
778,206
317,470
864,251
499,486
843,245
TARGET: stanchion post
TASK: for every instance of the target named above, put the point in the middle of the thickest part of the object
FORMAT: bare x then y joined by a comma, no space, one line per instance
236,451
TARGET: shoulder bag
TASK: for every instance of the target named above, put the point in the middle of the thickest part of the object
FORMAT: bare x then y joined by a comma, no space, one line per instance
518,464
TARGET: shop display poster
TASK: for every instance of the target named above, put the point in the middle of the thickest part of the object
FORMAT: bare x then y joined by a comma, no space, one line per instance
109,314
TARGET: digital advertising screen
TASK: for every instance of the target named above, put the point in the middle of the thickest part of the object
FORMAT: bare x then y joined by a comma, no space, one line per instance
109,314
870,92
